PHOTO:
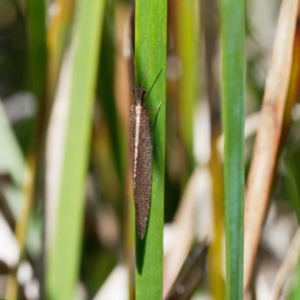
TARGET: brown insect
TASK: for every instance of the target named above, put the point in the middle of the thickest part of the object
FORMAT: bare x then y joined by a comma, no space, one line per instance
141,153
141,159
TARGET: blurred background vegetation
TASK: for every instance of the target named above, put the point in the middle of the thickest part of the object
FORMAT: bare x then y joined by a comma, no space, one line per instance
66,78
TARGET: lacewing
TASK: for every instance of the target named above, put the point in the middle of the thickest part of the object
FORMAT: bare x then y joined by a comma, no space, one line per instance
141,159
141,154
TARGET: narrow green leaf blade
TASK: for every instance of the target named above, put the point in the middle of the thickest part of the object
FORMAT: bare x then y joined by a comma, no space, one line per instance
65,254
36,23
233,97
295,291
291,160
150,34
188,48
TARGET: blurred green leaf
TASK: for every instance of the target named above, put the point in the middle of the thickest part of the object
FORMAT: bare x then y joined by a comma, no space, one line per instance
233,97
64,256
295,292
36,23
107,89
292,164
188,46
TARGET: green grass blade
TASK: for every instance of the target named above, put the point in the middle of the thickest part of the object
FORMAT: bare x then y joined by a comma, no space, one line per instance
295,291
36,23
65,254
150,45
188,46
233,96
106,91
291,160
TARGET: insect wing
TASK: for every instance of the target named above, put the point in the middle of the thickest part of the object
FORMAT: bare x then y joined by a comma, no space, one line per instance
141,163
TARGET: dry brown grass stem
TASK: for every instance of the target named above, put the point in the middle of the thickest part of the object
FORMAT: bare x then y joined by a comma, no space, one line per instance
268,135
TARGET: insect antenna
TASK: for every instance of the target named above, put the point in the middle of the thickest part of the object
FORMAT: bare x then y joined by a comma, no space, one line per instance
152,58
133,60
